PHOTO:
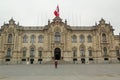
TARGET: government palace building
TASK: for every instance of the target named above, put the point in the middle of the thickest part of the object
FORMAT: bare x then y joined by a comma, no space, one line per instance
57,40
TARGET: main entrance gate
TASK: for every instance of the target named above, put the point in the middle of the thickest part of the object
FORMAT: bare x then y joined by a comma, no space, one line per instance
57,54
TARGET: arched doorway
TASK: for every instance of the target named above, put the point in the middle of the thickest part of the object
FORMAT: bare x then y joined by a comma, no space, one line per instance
57,54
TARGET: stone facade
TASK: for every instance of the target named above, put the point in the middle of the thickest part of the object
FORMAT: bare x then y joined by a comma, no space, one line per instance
58,41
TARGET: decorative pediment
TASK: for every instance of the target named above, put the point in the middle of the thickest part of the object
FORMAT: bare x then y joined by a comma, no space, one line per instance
24,48
57,29
57,20
82,46
74,48
10,30
32,46
102,21
102,29
40,49
11,21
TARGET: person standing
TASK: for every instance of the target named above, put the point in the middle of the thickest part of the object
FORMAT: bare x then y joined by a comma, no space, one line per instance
56,63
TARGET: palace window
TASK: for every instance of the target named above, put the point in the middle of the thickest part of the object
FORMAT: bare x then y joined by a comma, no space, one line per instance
10,38
32,39
104,37
105,51
40,39
82,39
75,53
24,53
89,38
57,37
9,52
25,39
74,39
82,51
32,52
40,53
90,51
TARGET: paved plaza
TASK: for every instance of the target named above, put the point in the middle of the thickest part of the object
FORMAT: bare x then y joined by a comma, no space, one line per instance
63,72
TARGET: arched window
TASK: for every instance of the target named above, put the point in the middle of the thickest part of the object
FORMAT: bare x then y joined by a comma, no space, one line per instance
40,53
57,37
32,52
32,39
40,39
90,51
89,38
10,38
82,39
104,37
82,51
9,52
74,52
25,39
105,51
74,39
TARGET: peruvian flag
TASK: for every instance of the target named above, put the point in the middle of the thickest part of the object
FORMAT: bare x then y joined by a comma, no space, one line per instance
56,12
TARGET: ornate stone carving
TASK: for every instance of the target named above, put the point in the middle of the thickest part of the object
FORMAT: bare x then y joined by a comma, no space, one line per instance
10,30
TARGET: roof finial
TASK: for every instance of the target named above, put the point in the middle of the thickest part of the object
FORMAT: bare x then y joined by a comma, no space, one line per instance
95,23
102,21
48,21
4,22
11,21
109,23
18,23
65,21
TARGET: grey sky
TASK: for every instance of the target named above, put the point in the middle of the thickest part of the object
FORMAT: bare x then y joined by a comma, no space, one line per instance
77,12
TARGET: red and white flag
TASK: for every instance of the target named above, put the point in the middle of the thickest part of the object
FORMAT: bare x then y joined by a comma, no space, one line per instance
56,12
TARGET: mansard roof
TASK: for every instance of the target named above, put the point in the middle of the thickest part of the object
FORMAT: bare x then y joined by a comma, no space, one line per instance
33,28
56,21
82,27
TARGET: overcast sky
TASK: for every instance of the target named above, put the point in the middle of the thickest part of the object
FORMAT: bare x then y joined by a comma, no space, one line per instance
77,12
